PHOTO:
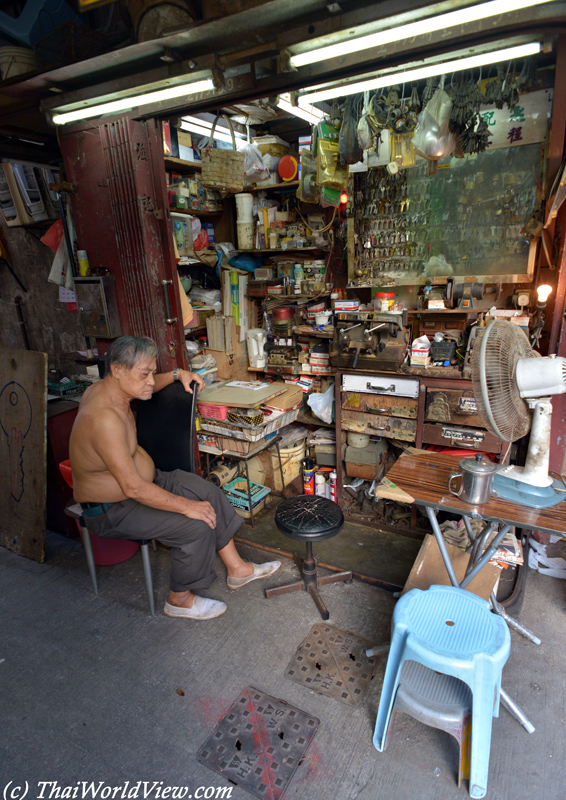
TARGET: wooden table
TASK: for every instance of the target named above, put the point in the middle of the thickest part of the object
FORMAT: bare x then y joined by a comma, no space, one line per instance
424,476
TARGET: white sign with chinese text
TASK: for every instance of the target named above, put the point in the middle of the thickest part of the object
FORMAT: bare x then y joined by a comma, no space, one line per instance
527,123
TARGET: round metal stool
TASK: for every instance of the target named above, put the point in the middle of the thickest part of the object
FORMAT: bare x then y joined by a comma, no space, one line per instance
308,519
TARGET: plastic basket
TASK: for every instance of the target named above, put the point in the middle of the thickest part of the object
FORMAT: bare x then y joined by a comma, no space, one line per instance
442,350
214,412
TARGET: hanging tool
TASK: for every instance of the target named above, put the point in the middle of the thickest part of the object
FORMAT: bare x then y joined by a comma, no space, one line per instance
3,258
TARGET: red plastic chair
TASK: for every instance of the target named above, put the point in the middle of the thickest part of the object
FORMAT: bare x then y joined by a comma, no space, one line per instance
102,552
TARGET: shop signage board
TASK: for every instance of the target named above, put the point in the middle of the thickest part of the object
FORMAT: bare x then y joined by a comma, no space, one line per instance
527,123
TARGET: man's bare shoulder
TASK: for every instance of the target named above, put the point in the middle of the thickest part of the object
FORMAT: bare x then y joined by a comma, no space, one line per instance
97,410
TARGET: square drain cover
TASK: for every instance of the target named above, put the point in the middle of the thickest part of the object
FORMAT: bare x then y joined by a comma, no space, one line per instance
334,663
258,743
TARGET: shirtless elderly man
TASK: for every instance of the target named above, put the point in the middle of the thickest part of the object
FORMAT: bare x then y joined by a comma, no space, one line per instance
124,496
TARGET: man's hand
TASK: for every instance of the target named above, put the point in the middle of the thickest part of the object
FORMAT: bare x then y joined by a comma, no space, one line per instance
201,510
187,378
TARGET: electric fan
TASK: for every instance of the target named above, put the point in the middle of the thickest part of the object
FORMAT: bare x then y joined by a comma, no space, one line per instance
512,386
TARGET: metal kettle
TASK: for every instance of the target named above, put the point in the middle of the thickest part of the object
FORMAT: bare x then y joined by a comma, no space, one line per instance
476,476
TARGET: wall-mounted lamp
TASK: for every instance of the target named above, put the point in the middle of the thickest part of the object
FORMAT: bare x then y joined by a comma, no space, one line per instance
543,293
440,22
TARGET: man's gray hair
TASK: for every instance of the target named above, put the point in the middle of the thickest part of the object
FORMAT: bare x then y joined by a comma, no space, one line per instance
128,350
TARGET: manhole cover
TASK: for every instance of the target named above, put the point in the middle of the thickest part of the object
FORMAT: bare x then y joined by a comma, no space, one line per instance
258,743
334,663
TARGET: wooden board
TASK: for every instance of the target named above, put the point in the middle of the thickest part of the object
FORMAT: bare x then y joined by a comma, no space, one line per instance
381,404
379,425
429,569
23,447
225,395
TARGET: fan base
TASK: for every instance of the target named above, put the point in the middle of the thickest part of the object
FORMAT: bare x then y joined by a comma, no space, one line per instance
526,495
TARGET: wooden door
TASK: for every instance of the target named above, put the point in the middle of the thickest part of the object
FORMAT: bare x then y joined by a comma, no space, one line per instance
121,213
23,404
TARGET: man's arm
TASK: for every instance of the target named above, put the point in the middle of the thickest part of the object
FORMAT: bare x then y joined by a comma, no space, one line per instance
111,446
165,378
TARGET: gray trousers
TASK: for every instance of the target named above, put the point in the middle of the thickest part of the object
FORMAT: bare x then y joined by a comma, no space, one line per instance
193,543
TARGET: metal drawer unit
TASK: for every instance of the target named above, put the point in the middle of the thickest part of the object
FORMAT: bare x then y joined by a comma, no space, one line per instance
382,405
389,384
379,425
449,435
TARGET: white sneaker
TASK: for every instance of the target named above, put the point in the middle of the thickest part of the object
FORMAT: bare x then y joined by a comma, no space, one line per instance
202,608
260,571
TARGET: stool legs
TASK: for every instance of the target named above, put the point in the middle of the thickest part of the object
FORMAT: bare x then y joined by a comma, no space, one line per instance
147,575
87,544
310,581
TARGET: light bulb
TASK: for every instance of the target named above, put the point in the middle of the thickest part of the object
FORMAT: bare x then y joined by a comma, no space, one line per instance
543,293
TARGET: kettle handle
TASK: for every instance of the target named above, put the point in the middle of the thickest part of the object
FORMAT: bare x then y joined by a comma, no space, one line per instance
450,479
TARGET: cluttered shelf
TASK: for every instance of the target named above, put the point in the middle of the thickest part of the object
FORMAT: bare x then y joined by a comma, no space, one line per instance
280,250
180,165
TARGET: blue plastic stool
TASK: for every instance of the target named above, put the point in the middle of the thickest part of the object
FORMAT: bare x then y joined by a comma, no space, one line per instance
453,632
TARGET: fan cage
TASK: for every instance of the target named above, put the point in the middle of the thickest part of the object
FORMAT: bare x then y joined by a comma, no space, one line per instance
504,343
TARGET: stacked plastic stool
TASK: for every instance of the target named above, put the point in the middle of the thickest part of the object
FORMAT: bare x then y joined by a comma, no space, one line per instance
442,638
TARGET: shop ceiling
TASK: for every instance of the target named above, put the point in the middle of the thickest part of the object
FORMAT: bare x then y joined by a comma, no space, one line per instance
247,55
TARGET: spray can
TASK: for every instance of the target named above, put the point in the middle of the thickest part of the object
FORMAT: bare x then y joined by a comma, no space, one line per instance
332,479
319,485
309,468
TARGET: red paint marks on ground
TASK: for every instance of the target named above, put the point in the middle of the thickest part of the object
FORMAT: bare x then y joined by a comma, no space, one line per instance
210,710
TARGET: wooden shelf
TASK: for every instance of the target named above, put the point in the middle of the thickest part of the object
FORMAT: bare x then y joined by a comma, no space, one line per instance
180,165
310,419
280,251
272,187
194,213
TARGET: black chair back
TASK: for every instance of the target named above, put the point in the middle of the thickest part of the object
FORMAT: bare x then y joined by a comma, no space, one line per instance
166,427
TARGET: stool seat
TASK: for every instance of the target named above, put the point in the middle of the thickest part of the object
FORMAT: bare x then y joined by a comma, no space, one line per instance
309,518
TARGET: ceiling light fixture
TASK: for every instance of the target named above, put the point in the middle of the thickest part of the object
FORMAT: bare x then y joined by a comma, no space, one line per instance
170,93
421,73
204,123
306,112
462,16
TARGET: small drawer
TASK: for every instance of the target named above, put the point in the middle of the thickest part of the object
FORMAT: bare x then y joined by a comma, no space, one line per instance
389,384
378,425
457,406
460,436
380,404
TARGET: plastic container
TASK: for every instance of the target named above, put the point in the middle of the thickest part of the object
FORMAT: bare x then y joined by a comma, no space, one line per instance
244,207
246,235
291,460
320,485
83,263
16,61
215,412
384,301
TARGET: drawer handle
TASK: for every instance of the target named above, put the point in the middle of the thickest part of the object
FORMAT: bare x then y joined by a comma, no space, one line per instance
377,427
463,443
380,388
369,410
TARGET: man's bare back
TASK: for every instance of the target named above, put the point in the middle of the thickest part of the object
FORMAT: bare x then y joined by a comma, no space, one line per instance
92,481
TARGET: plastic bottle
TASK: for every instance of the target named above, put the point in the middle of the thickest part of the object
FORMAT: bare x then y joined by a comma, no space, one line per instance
83,263
319,485
332,480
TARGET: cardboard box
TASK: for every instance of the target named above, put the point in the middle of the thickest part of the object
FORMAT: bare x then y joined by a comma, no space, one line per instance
429,569
234,365
420,360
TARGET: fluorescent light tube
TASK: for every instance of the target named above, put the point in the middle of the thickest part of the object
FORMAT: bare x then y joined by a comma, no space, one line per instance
194,128
423,26
133,102
310,114
203,123
420,73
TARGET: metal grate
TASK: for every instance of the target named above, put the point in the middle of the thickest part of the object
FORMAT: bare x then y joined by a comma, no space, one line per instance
259,743
334,663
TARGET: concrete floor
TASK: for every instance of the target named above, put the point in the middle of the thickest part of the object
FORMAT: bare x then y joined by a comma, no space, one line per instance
89,686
